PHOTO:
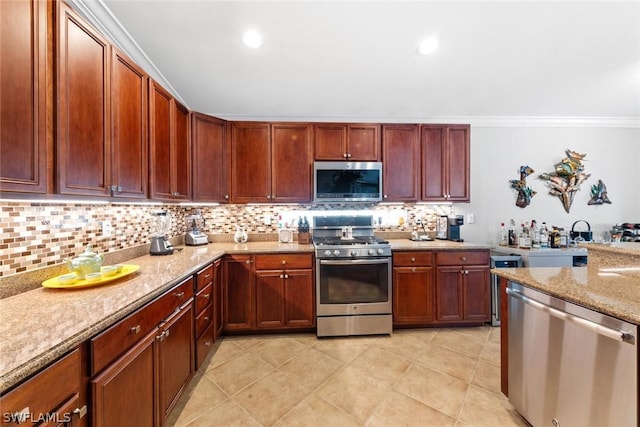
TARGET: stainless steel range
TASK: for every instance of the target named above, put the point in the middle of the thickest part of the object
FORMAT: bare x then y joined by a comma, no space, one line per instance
353,277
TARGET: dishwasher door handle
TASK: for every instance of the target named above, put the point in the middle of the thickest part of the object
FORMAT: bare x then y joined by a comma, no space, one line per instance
614,334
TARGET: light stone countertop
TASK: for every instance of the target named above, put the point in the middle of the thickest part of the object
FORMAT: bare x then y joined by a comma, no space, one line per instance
442,245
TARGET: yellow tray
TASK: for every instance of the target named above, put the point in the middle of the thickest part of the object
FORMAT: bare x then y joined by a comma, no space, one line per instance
127,269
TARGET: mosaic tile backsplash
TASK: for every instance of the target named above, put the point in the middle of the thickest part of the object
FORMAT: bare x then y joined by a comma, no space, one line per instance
41,234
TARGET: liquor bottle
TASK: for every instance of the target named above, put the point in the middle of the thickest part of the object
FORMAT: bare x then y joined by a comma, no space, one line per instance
544,235
535,235
513,240
503,239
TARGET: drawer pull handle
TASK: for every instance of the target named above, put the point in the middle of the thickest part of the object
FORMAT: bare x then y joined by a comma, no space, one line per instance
179,294
207,344
413,260
80,412
206,319
205,296
135,329
463,258
206,276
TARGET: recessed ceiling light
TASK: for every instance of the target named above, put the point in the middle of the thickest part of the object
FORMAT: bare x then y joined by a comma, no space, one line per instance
252,39
428,45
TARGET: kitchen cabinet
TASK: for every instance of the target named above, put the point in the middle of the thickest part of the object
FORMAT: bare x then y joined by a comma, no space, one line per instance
141,364
445,162
204,316
462,287
83,111
130,166
353,142
279,159
269,292
210,159
169,145
55,396
401,163
218,299
24,96
413,288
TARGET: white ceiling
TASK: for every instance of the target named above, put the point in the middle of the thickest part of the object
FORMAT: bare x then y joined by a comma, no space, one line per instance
357,60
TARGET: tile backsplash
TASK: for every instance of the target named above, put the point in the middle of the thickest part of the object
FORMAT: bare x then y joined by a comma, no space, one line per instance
41,234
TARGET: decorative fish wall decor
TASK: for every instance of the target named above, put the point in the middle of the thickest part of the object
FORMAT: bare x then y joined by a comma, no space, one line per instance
520,185
565,180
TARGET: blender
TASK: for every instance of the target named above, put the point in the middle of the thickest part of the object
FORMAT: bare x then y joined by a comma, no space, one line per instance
159,243
195,225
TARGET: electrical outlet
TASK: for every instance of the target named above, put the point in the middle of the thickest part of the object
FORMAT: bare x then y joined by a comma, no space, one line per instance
106,228
267,220
471,218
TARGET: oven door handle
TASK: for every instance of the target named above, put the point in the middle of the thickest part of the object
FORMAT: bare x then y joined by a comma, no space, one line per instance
355,261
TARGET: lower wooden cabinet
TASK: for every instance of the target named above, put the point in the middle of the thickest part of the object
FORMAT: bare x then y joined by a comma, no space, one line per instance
413,293
272,291
53,397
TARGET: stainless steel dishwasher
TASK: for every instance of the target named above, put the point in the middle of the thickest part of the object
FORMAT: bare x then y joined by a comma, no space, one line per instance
570,366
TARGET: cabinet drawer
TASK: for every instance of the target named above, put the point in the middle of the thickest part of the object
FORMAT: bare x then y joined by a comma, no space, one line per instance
282,261
204,344
463,258
118,338
203,321
204,298
53,388
410,259
204,277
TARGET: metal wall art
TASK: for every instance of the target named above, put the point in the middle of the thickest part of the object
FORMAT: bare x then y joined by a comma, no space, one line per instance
520,185
565,180
599,194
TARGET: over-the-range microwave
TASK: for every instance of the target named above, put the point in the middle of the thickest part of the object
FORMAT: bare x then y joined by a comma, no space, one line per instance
347,181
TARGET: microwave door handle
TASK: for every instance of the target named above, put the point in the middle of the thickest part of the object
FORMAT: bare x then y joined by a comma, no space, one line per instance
355,261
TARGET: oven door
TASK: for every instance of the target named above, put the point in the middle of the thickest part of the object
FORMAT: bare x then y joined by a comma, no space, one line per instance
353,286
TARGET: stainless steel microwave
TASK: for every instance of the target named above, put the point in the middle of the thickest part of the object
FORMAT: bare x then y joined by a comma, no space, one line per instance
347,181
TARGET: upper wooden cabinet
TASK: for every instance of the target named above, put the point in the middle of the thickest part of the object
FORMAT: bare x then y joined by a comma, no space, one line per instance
270,162
445,163
210,158
169,145
23,135
130,170
401,163
83,84
354,142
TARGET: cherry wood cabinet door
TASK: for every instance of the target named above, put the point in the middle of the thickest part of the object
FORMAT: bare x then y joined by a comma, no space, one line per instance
299,299
210,159
476,290
458,163
238,293
123,394
250,162
292,162
176,357
23,96
330,141
83,143
181,146
160,115
401,168
218,299
363,142
433,172
413,302
129,128
449,294
270,299
445,163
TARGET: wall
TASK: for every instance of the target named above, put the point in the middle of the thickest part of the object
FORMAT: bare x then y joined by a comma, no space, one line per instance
613,155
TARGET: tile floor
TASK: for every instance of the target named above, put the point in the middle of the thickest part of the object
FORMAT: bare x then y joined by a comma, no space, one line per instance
421,377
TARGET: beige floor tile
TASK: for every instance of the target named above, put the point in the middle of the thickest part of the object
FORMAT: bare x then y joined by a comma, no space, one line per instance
468,344
271,397
278,350
400,410
227,413
381,364
354,392
448,361
226,350
491,352
404,343
435,389
247,342
310,368
314,411
478,332
487,376
345,349
484,408
237,373
201,395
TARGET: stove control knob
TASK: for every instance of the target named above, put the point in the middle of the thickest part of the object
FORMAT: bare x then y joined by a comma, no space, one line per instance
372,251
336,252
381,251
327,253
353,252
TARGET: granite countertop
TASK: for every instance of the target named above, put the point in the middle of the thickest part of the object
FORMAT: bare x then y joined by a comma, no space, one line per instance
38,326
443,245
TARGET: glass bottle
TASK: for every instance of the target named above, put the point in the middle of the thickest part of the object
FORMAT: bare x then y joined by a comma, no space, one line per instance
535,235
544,235
502,236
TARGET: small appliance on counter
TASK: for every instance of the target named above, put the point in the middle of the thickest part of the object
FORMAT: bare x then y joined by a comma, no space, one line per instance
159,243
195,225
448,227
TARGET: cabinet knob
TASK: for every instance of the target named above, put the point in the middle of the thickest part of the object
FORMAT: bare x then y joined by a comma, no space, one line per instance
207,344
206,319
286,276
284,262
135,329
226,197
348,154
206,276
205,296
179,294
413,260
463,258
344,155
80,412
